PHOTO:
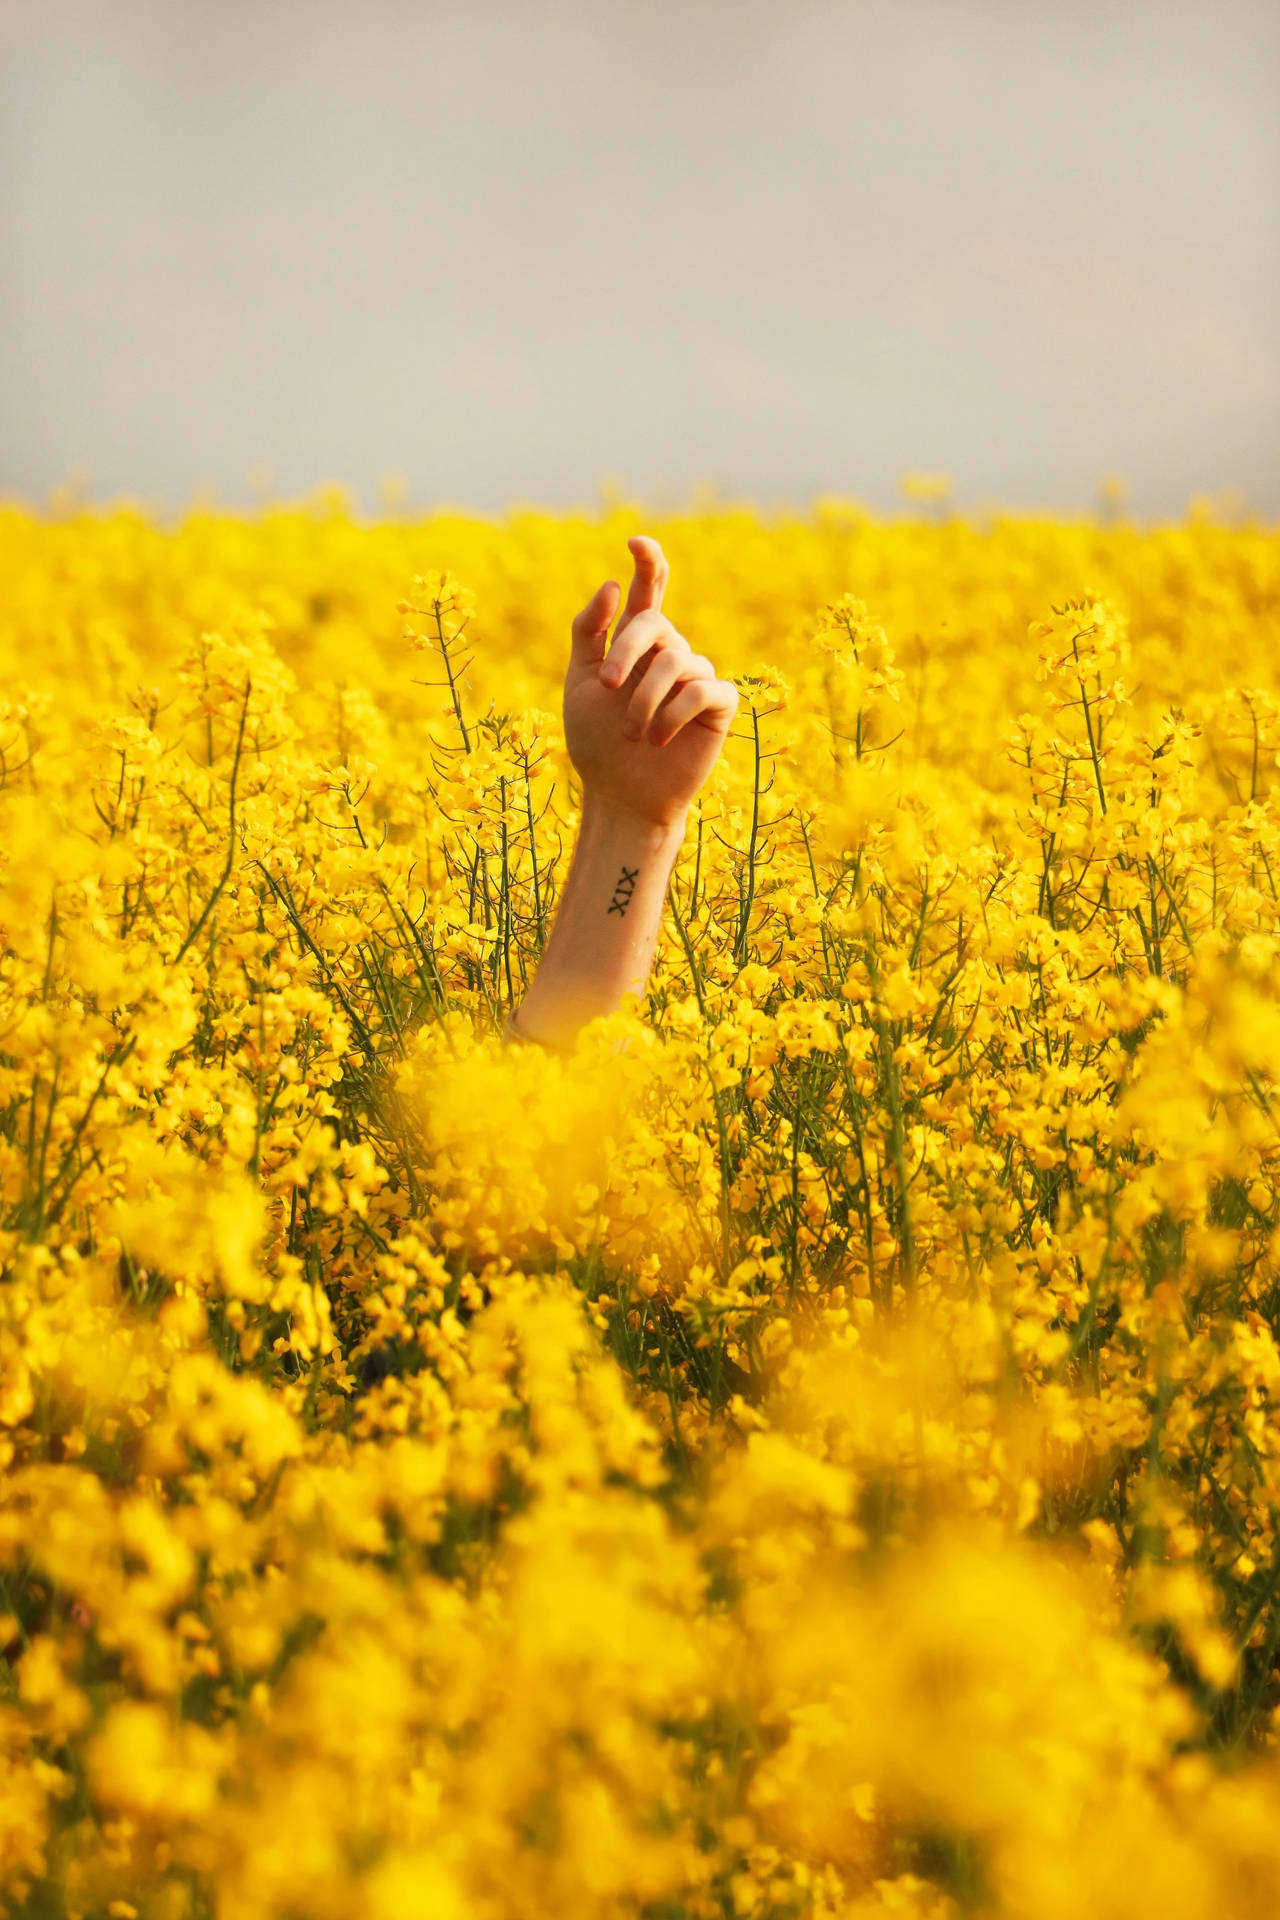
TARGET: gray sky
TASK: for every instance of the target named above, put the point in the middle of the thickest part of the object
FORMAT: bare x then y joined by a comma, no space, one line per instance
512,250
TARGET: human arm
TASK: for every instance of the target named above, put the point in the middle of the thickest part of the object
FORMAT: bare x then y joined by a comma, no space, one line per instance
645,720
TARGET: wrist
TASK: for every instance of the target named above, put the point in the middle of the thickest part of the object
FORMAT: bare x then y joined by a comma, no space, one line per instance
603,820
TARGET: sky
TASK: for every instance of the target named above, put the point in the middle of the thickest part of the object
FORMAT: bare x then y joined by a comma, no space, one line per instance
483,255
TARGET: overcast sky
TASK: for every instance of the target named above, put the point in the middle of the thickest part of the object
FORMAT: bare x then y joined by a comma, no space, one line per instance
511,251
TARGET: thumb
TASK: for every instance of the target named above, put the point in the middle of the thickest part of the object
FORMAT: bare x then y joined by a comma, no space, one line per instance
591,627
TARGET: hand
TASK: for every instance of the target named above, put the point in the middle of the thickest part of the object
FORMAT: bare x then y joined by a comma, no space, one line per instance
644,717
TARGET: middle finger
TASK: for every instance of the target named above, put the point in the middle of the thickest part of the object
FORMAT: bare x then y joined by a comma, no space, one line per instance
649,629
664,672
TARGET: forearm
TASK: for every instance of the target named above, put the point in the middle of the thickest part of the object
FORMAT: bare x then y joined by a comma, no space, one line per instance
605,933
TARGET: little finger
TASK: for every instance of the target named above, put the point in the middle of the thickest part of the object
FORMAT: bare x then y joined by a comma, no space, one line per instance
712,703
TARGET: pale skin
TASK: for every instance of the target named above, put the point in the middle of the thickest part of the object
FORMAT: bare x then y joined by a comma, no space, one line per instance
645,718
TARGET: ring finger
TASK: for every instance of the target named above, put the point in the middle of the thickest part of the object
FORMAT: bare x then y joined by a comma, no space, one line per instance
667,670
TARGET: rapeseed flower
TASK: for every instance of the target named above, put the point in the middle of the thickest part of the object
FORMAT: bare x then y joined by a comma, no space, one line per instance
809,1451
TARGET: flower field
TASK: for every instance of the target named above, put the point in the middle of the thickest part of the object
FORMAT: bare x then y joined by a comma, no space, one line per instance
813,1452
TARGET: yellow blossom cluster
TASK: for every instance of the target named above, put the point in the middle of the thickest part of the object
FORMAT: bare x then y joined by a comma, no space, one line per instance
806,1453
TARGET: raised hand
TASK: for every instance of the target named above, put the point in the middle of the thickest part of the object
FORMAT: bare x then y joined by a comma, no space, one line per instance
645,716
644,719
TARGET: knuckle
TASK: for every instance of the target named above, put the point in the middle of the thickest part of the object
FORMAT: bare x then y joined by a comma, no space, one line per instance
659,628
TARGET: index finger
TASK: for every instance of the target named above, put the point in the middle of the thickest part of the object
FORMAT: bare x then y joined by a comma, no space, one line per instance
648,583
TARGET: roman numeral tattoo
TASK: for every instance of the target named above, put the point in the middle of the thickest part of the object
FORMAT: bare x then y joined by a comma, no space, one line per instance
624,890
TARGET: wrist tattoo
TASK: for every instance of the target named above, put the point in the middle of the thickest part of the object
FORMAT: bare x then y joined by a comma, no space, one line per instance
624,890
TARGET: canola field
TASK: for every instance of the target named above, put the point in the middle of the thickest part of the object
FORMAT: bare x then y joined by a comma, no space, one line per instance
812,1452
